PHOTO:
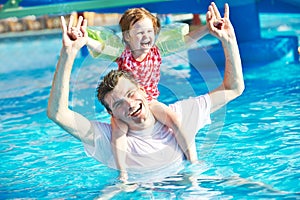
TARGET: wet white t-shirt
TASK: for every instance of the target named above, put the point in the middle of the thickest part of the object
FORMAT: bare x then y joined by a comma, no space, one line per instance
154,148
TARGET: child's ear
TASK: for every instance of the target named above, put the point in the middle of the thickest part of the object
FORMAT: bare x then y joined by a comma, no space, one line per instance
126,36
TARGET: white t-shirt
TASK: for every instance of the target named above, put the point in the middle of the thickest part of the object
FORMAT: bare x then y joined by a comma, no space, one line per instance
154,148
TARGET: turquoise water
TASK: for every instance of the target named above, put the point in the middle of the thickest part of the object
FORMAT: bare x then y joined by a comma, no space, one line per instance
250,152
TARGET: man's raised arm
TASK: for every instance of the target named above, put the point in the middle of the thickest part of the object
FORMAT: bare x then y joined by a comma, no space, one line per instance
233,82
58,104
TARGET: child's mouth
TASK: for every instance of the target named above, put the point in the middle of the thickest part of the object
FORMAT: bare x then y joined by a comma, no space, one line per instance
145,44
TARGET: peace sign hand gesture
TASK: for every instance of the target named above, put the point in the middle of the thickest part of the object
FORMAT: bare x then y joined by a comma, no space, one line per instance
71,42
218,26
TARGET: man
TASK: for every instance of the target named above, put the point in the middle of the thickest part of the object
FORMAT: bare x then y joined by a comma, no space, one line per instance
151,145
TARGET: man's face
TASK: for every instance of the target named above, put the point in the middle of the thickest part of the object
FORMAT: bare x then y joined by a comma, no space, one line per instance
128,103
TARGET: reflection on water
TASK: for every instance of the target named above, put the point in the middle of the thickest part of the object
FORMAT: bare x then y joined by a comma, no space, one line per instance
193,184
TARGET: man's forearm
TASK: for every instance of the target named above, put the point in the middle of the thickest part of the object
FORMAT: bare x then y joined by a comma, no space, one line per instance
233,75
233,82
59,96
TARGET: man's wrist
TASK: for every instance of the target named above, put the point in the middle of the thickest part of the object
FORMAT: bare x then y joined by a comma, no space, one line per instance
68,52
231,42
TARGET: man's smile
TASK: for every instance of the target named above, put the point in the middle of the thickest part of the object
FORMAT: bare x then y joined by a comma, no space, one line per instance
136,111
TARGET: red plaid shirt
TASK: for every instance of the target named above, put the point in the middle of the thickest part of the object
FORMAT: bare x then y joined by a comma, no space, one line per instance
146,72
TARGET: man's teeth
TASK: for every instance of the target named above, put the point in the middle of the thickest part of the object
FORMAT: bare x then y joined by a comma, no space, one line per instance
136,111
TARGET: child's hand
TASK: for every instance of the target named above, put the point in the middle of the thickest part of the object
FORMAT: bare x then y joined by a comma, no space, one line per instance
123,176
119,125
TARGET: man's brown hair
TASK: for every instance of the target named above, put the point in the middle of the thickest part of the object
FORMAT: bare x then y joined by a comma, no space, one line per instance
109,82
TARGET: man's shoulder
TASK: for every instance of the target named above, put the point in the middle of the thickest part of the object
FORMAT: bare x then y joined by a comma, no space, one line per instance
194,106
100,126
202,99
194,112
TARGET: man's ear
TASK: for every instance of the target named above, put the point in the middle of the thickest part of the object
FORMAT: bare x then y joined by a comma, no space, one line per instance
109,112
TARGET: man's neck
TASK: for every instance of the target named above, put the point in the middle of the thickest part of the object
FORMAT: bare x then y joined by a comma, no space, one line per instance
149,122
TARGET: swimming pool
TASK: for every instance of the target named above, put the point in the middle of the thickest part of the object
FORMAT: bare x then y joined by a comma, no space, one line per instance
254,152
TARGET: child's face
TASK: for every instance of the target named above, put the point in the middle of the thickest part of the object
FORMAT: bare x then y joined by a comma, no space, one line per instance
141,36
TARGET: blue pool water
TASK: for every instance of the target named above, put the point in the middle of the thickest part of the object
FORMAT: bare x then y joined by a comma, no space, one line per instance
250,152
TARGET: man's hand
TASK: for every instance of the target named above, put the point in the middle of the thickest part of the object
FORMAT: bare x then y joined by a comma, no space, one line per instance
233,81
70,40
58,104
218,26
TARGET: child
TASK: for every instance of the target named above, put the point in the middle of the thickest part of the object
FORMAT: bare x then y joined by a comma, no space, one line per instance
142,58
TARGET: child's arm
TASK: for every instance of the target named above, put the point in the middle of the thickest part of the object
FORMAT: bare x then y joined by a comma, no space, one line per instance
196,35
104,43
177,37
119,144
168,117
95,45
